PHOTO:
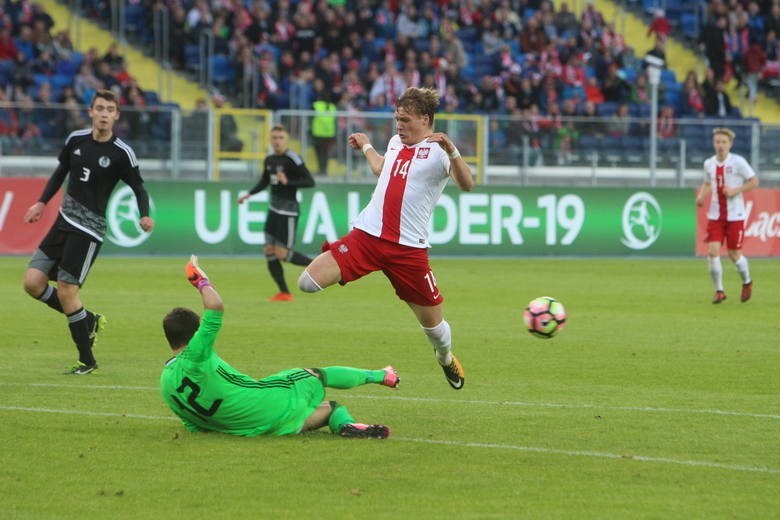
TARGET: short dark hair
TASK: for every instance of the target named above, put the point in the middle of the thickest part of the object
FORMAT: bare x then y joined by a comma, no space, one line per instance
179,325
106,94
279,128
420,101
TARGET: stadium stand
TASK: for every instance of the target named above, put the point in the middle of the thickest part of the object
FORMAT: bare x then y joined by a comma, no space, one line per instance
256,53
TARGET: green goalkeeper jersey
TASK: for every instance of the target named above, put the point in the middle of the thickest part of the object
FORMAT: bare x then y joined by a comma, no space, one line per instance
210,395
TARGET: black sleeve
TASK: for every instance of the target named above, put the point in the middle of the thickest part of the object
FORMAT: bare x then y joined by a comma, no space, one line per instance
54,184
136,183
265,179
141,198
302,177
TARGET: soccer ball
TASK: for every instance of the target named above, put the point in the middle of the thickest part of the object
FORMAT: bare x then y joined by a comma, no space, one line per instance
544,317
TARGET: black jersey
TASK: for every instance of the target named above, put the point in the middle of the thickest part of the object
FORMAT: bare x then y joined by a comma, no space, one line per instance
283,196
95,169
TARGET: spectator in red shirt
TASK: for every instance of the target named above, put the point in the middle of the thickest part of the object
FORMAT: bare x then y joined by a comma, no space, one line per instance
659,26
666,125
754,61
8,50
593,91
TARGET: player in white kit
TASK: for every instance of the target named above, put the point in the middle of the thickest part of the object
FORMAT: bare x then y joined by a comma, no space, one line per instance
391,233
731,176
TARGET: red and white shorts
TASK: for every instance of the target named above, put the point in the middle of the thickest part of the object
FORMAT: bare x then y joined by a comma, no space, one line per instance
730,231
407,268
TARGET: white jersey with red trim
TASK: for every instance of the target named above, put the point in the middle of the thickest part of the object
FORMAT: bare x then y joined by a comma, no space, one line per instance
410,184
731,173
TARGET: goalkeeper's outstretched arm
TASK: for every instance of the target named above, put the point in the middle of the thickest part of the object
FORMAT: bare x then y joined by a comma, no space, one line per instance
208,293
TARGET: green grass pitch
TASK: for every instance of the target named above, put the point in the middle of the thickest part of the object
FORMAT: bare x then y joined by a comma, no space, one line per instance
652,403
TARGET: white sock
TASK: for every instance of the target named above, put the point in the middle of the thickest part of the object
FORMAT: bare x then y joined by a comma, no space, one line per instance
744,270
440,337
716,272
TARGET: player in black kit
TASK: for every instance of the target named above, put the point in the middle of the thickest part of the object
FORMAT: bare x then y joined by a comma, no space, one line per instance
285,172
96,161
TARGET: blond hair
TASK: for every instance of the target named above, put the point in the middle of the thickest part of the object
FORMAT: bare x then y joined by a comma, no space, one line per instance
724,131
420,101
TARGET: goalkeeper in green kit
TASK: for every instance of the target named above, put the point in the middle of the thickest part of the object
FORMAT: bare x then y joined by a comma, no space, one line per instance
210,395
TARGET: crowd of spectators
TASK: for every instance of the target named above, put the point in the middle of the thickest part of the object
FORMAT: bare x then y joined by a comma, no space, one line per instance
366,51
533,60
50,82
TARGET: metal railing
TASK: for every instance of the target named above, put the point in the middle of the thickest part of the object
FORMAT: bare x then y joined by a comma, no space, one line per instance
174,143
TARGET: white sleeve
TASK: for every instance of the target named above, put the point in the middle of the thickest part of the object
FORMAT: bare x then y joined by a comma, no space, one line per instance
745,169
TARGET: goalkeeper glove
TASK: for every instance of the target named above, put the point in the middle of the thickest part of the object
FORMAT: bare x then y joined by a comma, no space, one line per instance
195,274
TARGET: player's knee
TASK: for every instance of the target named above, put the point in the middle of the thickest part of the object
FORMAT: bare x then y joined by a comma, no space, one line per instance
34,285
307,284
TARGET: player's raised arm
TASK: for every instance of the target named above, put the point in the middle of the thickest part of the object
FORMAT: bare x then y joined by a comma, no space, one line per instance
460,171
197,277
360,141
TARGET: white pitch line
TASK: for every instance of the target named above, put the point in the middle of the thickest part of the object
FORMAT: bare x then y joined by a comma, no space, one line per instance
93,414
597,454
511,447
584,406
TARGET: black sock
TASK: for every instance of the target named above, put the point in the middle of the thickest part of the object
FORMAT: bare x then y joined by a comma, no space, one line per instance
49,297
277,273
78,322
296,258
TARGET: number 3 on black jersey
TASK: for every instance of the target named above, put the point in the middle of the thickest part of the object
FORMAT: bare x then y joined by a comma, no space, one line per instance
85,174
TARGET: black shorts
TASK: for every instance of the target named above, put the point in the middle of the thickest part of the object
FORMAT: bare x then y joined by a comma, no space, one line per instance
65,254
280,229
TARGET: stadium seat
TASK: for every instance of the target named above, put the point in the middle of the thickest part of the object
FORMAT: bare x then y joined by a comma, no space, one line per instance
470,34
66,68
628,74
6,71
58,83
422,44
192,57
689,24
608,108
222,71
590,144
152,98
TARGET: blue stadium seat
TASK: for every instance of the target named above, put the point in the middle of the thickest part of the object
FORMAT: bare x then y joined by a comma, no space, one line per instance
608,108
688,132
590,143
514,48
152,98
6,71
628,74
668,146
66,68
192,57
134,17
222,70
470,34
668,76
422,44
690,26
634,144
60,81
639,110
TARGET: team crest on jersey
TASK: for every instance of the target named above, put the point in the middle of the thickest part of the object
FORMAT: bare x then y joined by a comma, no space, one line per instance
422,153
104,161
